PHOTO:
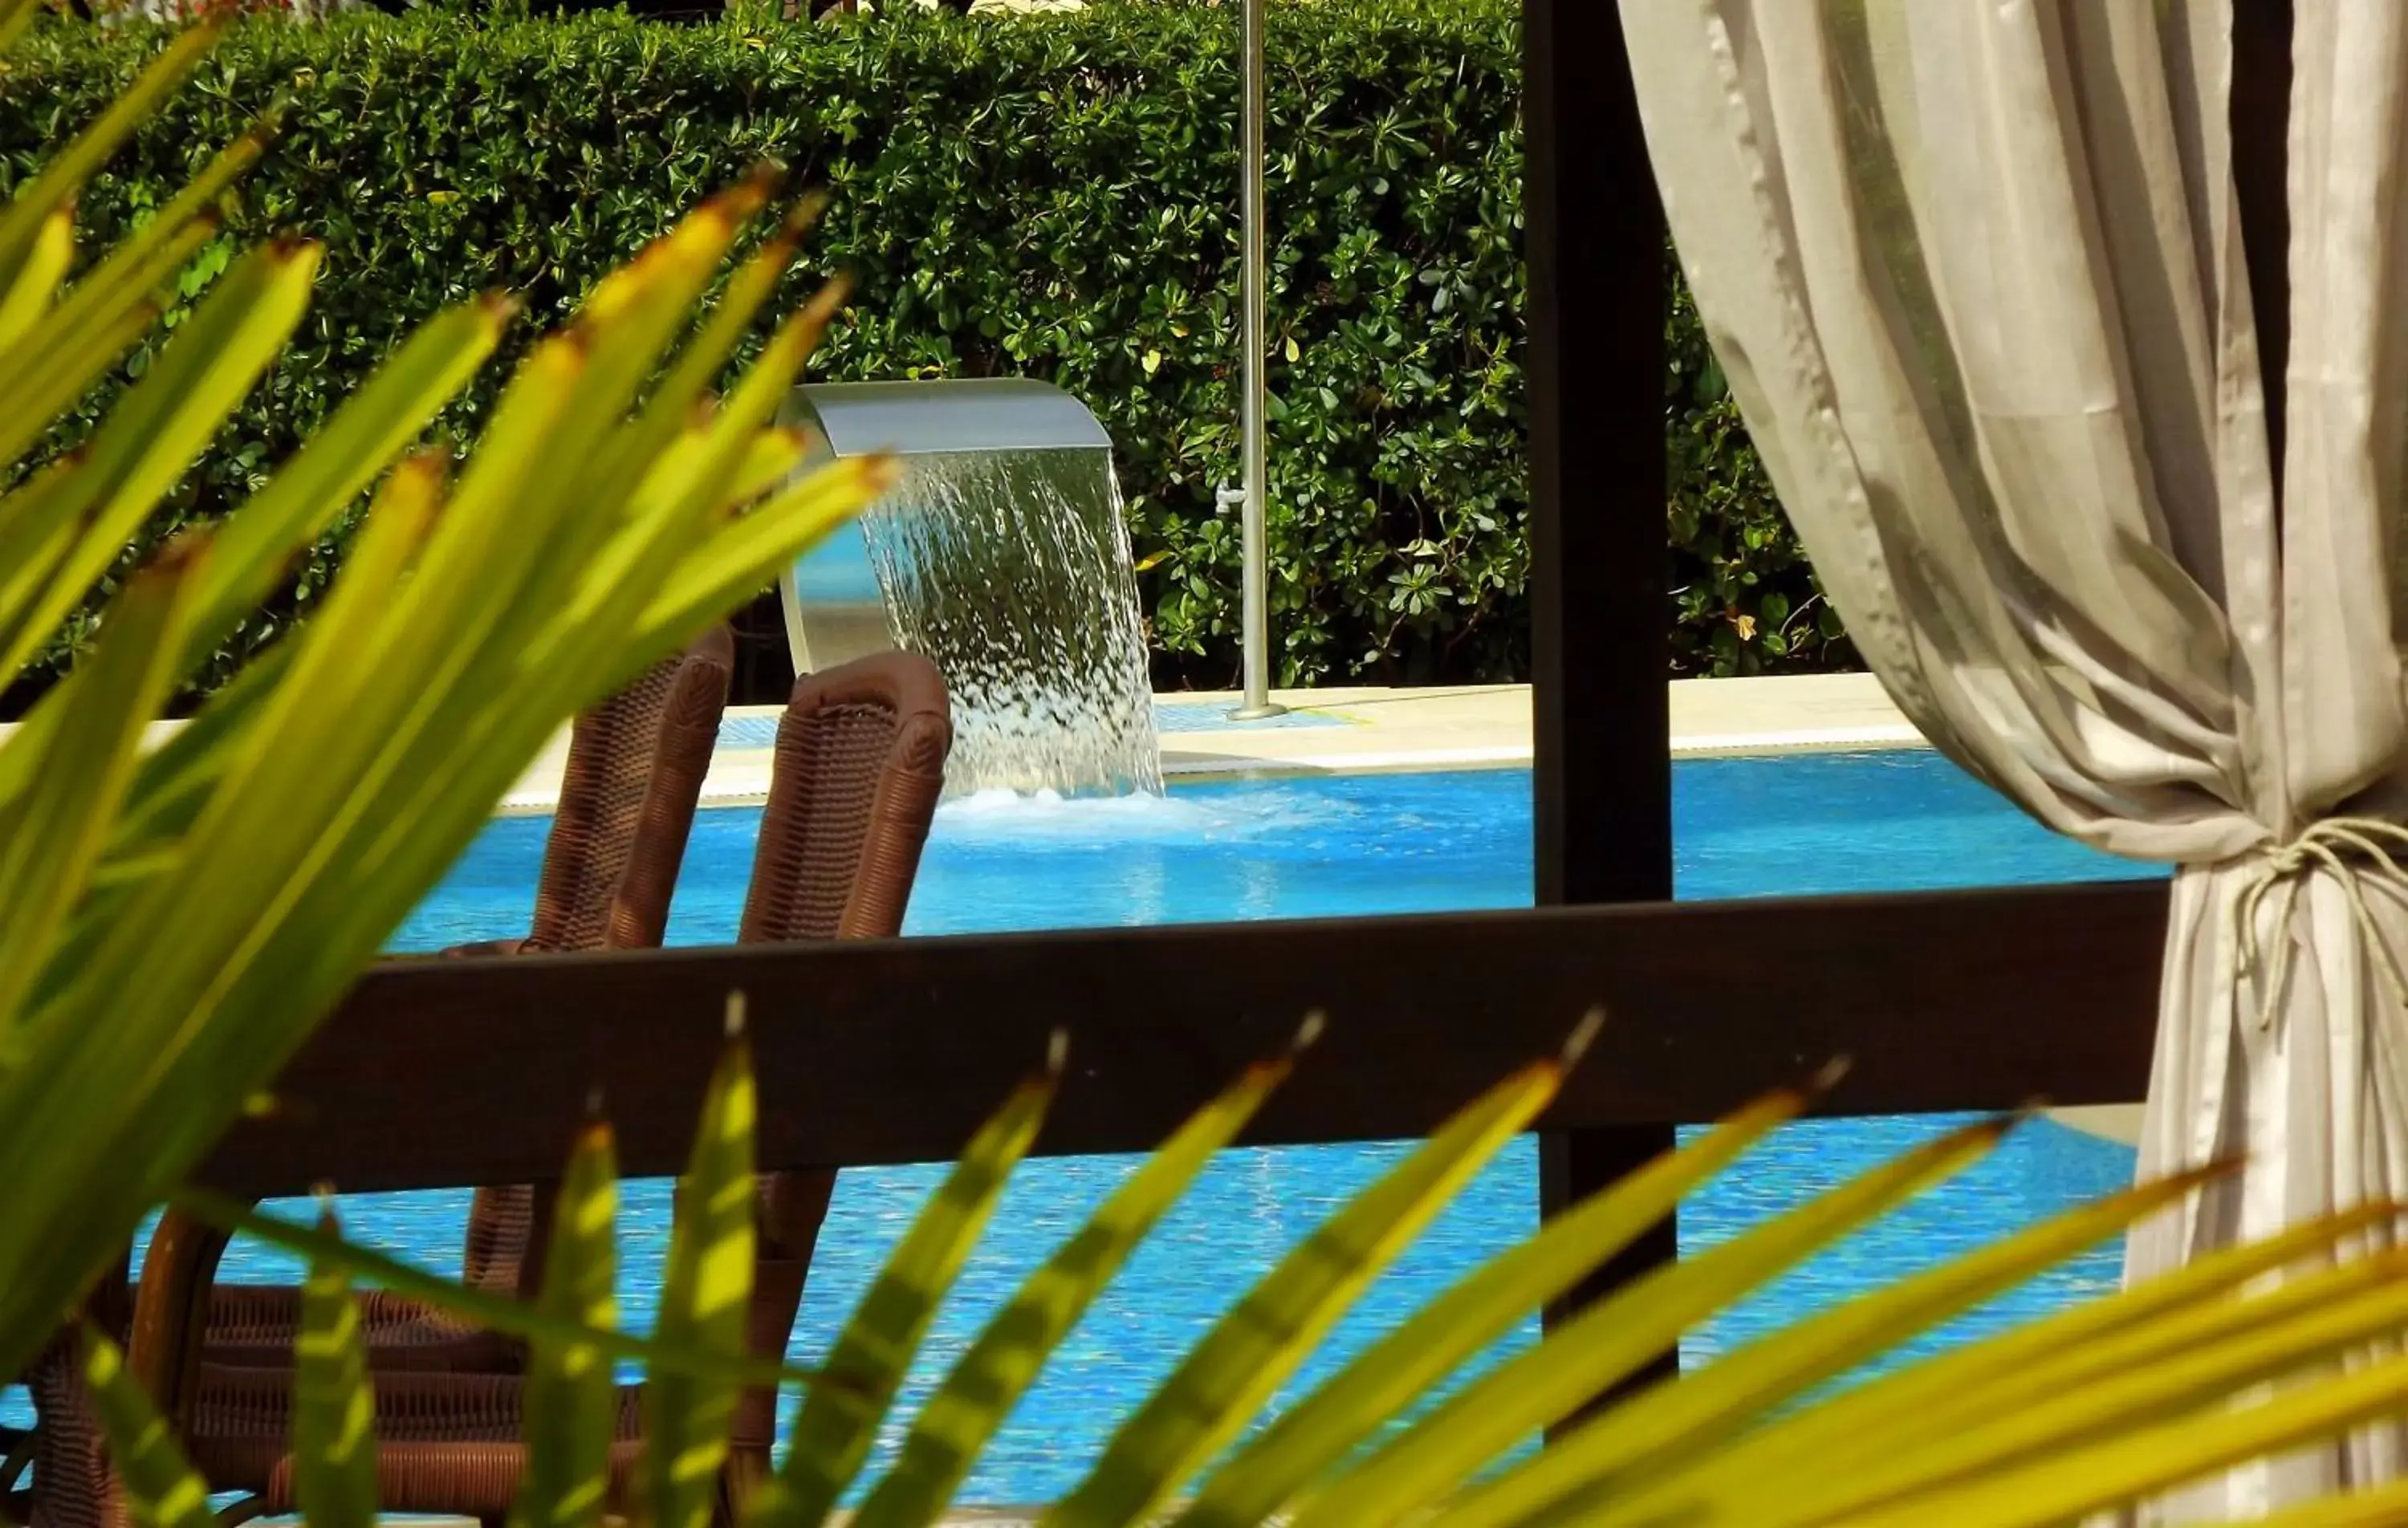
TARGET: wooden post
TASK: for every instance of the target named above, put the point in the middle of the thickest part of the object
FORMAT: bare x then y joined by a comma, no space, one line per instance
1593,239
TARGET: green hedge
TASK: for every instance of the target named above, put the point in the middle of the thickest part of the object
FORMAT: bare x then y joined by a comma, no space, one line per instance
1050,196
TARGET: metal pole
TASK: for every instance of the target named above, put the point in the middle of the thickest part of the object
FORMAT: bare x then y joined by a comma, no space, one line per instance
1256,605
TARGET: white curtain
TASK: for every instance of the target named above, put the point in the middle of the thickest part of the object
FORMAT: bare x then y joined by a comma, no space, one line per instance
1974,270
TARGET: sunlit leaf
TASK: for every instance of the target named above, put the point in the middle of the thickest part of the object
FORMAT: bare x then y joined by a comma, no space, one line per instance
1000,1366
836,1427
791,522
671,508
571,1401
1616,1337
333,1412
62,354
706,1294
161,1490
15,16
1320,1431
1241,1363
521,1319
1653,1433
750,289
2027,1365
63,825
2282,1334
37,283
161,424
2065,1485
345,454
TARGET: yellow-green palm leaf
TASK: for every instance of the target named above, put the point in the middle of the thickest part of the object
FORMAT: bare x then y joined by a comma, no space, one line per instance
177,924
197,913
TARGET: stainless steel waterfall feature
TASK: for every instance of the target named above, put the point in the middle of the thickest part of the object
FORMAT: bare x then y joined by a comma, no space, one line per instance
1003,557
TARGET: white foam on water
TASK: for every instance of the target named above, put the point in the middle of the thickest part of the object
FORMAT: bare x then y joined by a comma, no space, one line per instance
999,816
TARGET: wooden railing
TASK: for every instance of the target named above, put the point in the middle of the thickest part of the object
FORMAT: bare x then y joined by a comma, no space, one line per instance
446,1073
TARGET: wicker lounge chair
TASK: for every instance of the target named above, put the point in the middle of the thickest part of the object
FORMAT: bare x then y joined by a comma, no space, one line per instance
71,1486
860,763
629,789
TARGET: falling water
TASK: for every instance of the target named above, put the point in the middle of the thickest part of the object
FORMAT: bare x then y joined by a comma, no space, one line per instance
1010,571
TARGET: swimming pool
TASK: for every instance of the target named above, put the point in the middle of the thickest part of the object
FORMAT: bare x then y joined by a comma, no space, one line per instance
1308,847
1355,844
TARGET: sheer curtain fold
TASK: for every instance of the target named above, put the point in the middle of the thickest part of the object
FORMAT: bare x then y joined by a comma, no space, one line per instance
1975,272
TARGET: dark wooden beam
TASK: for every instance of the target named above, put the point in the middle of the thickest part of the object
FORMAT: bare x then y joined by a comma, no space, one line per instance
443,1073
1594,238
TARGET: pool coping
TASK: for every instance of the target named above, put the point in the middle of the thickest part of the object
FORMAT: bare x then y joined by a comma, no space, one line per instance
1384,730
1432,729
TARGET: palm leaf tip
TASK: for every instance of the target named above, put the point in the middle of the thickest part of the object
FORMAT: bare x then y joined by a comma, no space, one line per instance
748,195
1583,1035
805,214
1309,1031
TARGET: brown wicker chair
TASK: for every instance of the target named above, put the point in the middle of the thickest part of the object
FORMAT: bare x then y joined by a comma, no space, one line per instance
861,761
71,1485
629,789
860,764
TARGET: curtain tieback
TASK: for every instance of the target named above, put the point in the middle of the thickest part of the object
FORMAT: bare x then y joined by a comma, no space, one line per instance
2354,849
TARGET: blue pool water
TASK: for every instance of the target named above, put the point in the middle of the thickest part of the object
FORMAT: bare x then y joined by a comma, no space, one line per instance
1304,848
